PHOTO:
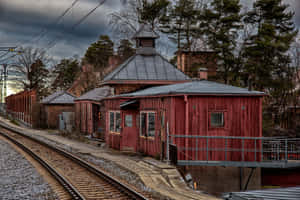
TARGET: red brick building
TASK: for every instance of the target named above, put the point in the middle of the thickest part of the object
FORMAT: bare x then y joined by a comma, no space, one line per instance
54,105
190,62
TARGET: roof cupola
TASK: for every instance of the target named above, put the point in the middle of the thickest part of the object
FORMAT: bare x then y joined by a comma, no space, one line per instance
145,36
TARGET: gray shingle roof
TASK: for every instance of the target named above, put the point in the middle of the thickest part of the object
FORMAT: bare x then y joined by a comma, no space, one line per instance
59,97
146,67
194,87
96,94
145,31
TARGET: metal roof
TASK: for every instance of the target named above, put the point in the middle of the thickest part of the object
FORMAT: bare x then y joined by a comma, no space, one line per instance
194,87
146,67
145,31
59,97
292,193
96,94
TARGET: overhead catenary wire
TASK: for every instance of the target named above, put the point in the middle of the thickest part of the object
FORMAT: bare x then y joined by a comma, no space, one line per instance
37,37
51,44
57,20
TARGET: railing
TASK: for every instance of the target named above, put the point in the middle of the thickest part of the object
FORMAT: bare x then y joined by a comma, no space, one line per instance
235,149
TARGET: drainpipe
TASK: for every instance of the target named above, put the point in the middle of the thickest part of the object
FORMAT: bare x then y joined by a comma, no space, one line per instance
186,123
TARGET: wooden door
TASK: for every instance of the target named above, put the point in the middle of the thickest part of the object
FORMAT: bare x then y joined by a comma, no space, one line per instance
129,132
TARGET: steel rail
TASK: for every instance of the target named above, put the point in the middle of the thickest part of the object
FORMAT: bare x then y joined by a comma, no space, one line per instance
112,181
73,192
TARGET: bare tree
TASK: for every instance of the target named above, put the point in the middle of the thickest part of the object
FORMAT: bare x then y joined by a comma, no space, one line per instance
125,23
31,67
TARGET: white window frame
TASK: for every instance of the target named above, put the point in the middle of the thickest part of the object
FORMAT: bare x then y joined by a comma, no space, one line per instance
147,124
115,121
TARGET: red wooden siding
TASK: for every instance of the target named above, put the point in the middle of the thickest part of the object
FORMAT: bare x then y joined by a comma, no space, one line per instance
85,114
190,115
241,118
20,105
112,139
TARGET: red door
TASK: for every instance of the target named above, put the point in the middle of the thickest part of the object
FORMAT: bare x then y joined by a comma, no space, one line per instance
129,133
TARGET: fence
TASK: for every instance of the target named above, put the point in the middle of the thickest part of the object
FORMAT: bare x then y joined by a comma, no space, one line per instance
226,150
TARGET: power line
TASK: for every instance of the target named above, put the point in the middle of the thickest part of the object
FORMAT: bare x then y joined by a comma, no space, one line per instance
54,42
57,21
44,31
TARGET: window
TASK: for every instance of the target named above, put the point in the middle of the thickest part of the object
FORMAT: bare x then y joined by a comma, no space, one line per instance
111,121
143,124
151,124
115,121
147,124
128,120
118,122
217,119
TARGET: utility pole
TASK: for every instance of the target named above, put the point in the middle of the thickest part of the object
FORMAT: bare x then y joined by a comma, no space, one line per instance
4,72
1,85
5,81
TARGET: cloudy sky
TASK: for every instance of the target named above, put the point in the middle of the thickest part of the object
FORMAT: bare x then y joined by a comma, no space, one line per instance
21,21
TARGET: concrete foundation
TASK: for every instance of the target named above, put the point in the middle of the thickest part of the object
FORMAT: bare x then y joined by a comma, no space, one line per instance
217,180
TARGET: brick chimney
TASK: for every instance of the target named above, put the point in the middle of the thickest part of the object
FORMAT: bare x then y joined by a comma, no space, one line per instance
186,60
87,68
202,73
113,61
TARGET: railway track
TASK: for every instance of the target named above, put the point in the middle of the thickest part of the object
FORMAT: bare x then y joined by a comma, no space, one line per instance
79,178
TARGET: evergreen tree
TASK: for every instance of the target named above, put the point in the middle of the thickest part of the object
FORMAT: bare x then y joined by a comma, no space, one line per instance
151,12
181,23
266,51
222,21
65,73
125,50
99,52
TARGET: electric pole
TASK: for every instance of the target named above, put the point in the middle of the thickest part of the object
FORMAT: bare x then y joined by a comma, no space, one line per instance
5,81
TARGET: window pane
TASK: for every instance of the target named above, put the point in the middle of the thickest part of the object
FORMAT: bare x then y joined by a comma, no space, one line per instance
143,124
128,120
118,122
217,119
151,124
111,121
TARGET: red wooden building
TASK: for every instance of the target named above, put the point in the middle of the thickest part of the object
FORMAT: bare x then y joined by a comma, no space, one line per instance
146,68
54,105
140,121
90,113
20,106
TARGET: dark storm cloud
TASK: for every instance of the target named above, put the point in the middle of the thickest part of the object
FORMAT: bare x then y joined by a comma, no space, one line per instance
21,22
296,7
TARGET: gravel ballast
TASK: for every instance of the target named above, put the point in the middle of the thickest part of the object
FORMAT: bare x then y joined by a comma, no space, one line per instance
19,179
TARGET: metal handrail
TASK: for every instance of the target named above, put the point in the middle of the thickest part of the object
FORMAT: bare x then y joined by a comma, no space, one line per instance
260,148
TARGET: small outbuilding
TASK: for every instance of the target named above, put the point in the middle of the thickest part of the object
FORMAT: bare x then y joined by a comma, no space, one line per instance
90,112
54,105
140,121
